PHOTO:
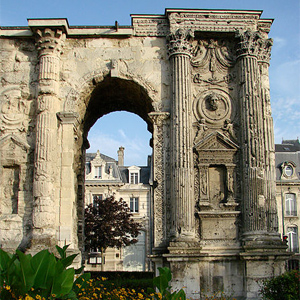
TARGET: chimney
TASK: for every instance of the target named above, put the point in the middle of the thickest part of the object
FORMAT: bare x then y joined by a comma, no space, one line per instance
121,156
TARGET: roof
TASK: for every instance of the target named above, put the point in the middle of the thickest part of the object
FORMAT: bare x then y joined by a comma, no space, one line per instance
90,156
121,172
288,146
287,151
144,174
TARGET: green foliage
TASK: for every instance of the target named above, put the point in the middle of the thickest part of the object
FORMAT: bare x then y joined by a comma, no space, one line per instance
283,287
42,274
161,282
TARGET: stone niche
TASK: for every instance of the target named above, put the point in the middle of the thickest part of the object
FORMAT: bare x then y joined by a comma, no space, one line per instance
216,165
15,204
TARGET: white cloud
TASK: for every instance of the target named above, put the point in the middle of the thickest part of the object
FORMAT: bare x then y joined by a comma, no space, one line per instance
278,43
285,79
286,115
122,133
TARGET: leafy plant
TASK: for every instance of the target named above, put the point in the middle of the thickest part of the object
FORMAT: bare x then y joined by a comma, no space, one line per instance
161,282
42,274
283,287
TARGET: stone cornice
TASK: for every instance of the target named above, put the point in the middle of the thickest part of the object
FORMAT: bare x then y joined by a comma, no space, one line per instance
156,25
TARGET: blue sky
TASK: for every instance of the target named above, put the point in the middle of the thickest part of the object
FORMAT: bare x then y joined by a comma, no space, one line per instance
130,131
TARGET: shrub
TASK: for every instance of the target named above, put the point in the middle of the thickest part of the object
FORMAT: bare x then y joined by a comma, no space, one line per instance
283,287
42,276
161,282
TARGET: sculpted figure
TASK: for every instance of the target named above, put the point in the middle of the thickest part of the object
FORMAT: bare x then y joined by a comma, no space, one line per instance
204,183
229,128
212,101
202,127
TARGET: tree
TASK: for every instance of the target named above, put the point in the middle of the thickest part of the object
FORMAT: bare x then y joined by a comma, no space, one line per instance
109,223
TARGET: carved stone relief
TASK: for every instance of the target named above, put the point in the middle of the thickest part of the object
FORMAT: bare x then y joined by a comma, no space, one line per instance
13,110
212,60
214,107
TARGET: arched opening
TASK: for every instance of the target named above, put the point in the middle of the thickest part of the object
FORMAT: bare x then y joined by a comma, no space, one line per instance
107,175
115,94
124,129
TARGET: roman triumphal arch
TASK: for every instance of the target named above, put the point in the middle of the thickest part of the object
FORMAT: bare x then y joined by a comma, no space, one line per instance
199,78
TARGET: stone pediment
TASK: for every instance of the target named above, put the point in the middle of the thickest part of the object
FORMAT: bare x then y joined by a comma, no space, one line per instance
216,141
12,141
13,150
98,160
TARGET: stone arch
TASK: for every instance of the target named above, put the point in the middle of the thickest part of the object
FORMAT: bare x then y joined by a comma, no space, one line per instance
80,93
98,96
116,94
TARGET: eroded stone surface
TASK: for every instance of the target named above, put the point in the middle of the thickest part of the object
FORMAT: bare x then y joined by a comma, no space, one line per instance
199,78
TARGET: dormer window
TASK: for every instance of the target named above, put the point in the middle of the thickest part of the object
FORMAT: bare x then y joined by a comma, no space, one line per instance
134,175
134,178
288,170
98,172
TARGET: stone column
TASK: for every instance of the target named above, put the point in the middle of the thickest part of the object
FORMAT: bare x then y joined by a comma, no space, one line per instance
182,178
159,179
253,143
49,44
263,64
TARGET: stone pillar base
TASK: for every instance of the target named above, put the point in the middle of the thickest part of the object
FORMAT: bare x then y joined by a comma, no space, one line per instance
264,241
258,267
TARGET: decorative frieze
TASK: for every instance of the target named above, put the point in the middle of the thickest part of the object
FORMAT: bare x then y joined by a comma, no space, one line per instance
155,26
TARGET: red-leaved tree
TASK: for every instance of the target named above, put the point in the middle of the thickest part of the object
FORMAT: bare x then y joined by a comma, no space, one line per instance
109,223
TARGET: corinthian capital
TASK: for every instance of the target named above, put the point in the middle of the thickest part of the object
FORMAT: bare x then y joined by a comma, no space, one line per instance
179,42
248,43
49,41
264,52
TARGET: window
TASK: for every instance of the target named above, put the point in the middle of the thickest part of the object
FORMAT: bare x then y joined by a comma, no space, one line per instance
288,170
96,197
98,172
95,260
290,205
134,178
134,204
293,242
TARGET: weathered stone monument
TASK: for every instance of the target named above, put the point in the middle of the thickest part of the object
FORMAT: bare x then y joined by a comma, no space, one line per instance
199,78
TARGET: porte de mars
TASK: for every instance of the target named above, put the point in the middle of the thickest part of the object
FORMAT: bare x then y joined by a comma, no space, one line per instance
199,79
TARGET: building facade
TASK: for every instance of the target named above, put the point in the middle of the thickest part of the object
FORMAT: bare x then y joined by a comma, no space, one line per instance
107,177
199,79
287,195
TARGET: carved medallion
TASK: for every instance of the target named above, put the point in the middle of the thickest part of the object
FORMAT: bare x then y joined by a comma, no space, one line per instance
214,106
